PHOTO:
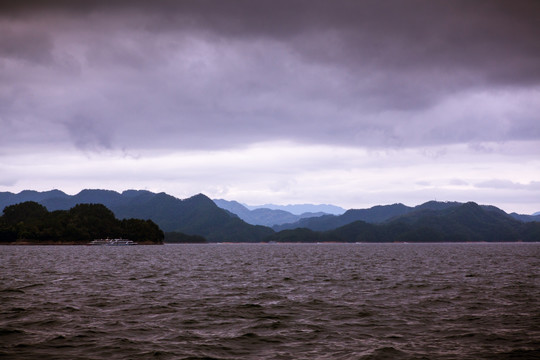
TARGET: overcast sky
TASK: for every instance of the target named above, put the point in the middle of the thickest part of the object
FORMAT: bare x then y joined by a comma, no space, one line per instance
353,103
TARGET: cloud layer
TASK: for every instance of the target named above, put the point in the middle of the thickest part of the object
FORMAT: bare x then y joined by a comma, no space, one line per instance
214,74
168,77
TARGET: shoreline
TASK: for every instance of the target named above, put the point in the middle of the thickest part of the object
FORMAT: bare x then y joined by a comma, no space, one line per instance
60,243
27,243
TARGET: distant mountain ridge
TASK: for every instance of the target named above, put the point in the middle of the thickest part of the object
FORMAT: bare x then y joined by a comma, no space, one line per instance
262,216
200,216
468,222
526,218
197,215
299,209
383,213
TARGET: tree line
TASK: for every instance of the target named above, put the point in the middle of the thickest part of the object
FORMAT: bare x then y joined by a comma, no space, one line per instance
30,221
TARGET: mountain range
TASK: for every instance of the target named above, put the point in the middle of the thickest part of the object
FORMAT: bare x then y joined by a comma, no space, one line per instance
199,216
467,222
299,209
265,216
383,213
321,221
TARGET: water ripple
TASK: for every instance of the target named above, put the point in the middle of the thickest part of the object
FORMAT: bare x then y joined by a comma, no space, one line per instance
354,301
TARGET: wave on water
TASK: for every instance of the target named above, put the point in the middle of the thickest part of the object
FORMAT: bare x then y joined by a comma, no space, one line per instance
331,301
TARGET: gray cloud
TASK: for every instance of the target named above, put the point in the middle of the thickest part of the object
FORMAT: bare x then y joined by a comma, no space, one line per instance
20,43
87,135
495,38
214,74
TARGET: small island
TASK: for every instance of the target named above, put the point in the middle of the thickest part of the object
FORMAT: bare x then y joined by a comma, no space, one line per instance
30,223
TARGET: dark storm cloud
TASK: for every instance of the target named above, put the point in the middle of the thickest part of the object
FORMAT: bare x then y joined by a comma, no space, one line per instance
215,73
497,38
23,44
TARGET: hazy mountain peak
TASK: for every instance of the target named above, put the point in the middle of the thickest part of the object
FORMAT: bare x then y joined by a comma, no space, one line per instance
263,216
299,209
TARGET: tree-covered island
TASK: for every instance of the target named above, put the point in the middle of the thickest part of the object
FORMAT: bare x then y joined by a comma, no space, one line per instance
31,223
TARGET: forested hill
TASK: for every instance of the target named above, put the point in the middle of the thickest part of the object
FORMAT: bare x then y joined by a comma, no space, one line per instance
32,222
197,215
467,222
384,213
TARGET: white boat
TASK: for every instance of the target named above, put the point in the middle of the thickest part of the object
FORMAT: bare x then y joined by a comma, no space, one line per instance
113,242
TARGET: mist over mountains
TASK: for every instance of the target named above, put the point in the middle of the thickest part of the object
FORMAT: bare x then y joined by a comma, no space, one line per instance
231,221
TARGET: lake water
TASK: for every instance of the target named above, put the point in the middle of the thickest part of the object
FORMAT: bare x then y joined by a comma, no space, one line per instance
262,301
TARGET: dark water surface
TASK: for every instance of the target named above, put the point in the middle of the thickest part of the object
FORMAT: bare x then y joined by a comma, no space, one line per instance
339,301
